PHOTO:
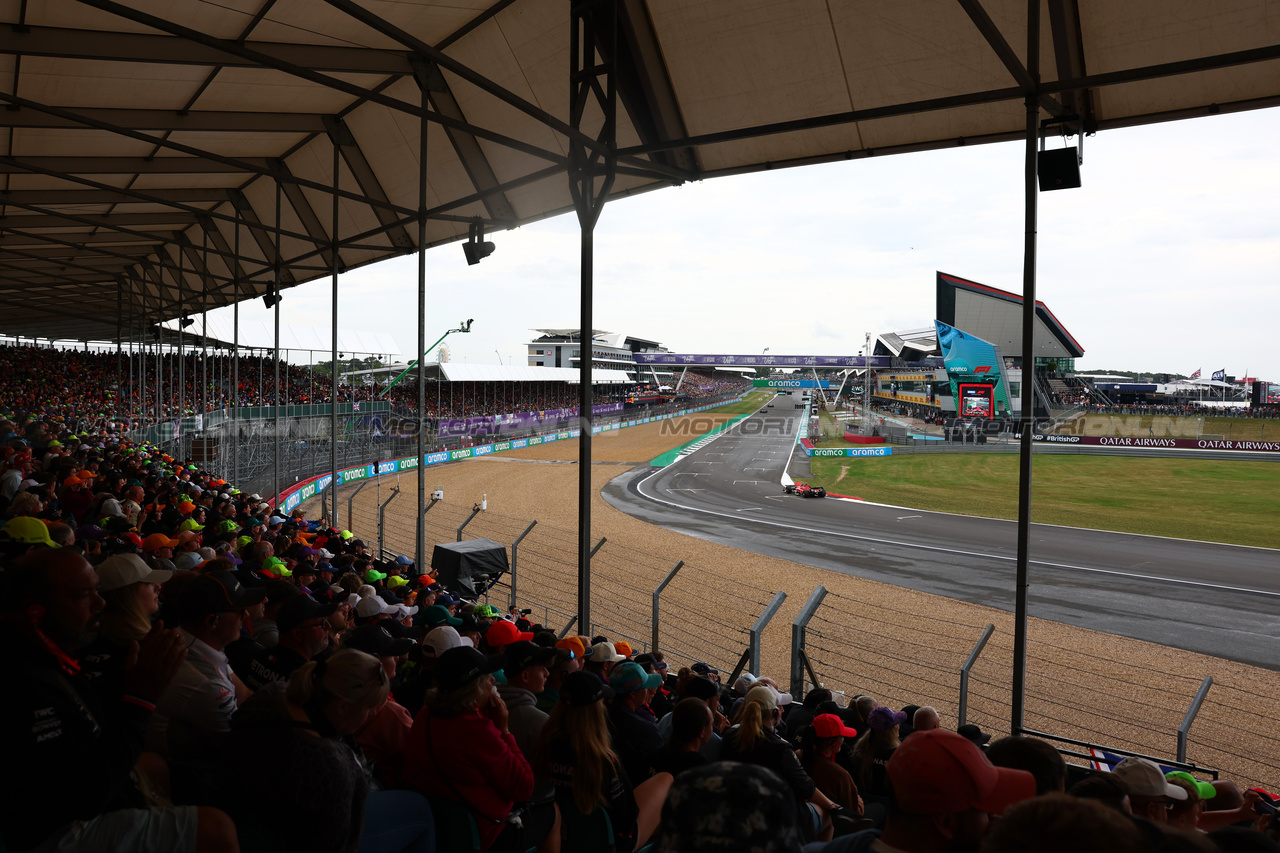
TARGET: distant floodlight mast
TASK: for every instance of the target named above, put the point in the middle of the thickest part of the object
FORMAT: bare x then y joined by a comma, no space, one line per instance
476,248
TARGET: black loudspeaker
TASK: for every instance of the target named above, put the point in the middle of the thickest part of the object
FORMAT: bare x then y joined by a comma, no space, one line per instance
1058,169
1256,397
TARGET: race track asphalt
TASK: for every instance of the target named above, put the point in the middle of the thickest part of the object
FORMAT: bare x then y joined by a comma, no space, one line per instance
1216,599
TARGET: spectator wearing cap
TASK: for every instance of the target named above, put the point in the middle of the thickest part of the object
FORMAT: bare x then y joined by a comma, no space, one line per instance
502,633
871,753
566,660
383,736
199,704
1185,815
526,674
820,743
635,732
461,749
69,753
21,535
602,660
662,700
574,752
728,806
303,623
945,793
437,614
1104,787
158,548
706,670
1150,794
302,729
691,729
1036,757
752,739
266,630
188,554
131,590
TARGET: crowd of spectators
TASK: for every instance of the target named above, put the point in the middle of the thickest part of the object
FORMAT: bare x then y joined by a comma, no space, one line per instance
701,386
190,670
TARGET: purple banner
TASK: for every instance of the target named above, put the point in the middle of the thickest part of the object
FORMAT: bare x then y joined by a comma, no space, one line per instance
875,361
547,418
1182,443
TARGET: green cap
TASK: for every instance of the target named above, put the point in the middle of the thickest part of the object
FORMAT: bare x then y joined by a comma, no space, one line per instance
347,534
228,526
1204,789
276,566
191,524
28,531
486,611
374,575
244,540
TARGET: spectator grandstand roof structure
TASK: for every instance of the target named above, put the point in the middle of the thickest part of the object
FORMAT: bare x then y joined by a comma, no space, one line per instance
996,316
166,157
293,337
453,372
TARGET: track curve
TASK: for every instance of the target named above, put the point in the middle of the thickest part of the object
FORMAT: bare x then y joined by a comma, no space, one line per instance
1205,597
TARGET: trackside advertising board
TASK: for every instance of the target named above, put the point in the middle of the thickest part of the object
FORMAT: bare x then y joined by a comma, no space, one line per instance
310,488
1181,443
790,383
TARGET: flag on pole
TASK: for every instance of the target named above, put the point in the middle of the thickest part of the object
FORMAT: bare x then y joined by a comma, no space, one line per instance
1220,375
355,407
1196,375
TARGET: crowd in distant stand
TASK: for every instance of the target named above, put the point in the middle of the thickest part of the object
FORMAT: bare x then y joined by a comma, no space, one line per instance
1190,409
92,389
189,670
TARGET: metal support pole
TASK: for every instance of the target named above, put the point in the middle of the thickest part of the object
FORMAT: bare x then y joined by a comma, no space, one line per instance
964,672
657,592
474,512
1191,716
758,629
324,504
275,456
350,499
420,540
1017,706
333,335
565,630
798,637
593,24
235,361
382,516
515,551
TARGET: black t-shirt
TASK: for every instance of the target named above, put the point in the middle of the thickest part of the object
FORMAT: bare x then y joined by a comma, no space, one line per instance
676,763
274,664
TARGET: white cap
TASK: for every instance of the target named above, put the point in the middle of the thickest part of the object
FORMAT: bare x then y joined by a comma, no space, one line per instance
125,569
440,640
374,606
406,611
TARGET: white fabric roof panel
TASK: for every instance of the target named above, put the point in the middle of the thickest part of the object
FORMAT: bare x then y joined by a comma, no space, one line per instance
91,76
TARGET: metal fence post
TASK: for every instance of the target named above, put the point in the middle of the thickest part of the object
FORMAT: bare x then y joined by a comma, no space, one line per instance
656,593
758,629
1191,716
350,501
324,507
964,672
475,510
797,640
382,515
515,551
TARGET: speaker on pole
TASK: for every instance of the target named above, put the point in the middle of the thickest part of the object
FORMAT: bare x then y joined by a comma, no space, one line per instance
1256,397
1058,169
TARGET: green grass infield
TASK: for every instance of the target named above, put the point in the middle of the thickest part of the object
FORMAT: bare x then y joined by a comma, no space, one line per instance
1215,501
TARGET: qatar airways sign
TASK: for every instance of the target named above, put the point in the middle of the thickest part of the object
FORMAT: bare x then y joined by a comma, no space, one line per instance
1179,443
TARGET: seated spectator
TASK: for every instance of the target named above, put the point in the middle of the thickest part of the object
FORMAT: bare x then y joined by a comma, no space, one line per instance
925,719
1034,756
691,729
802,715
602,660
526,673
1056,823
705,691
382,738
199,704
945,792
131,590
1185,815
62,737
634,730
158,549
1150,794
565,661
1104,787
752,740
871,754
461,749
820,743
573,752
302,729
728,806
303,624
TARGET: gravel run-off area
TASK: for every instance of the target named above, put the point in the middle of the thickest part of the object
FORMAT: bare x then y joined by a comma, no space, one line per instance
898,645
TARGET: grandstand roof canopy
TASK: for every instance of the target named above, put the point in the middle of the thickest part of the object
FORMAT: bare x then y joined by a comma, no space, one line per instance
453,372
152,146
259,334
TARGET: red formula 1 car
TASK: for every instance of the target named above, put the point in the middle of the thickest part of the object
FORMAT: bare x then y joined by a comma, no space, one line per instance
804,490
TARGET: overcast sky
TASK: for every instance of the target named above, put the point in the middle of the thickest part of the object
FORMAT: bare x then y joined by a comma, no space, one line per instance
1166,260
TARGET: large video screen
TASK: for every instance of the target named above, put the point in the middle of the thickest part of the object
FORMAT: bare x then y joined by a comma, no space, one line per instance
977,401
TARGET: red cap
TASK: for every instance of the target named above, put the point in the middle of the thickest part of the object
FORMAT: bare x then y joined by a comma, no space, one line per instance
829,725
502,632
942,772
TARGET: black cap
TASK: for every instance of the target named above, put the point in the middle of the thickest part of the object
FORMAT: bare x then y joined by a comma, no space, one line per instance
583,688
460,666
700,688
377,641
523,654
299,609
280,590
218,592
971,732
